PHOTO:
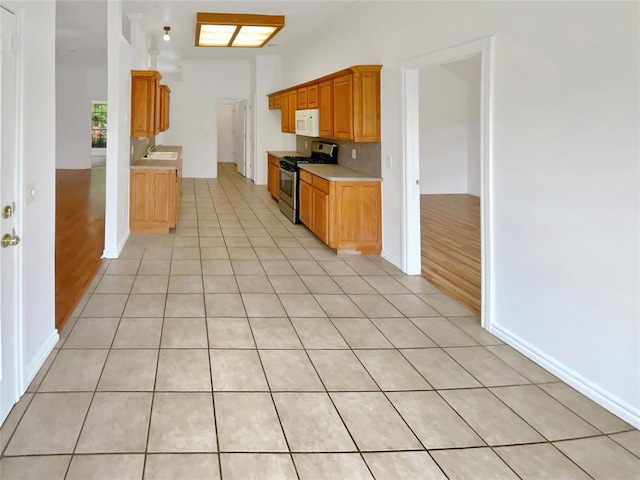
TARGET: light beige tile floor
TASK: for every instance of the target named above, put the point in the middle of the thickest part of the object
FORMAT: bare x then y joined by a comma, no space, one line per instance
238,346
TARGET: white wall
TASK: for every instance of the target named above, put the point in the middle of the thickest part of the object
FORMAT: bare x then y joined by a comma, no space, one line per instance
473,137
121,60
450,128
193,111
76,88
36,145
224,118
565,170
443,132
268,134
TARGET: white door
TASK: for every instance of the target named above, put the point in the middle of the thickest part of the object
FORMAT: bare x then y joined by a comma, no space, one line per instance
239,128
9,388
249,139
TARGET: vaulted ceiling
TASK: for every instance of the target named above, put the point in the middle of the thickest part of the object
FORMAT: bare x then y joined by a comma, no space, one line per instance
82,26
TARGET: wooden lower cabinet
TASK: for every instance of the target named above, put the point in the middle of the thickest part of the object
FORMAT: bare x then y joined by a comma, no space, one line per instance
347,216
320,215
273,176
154,200
305,203
358,214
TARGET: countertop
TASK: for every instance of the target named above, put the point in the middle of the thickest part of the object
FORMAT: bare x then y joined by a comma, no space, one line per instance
280,154
336,173
161,164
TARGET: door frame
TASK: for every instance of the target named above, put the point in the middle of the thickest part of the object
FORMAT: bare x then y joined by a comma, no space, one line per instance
230,103
240,103
19,193
411,259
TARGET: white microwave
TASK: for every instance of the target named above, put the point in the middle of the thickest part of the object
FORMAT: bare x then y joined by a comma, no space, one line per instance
308,122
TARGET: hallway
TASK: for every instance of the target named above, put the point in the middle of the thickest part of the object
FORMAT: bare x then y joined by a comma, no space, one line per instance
239,347
80,203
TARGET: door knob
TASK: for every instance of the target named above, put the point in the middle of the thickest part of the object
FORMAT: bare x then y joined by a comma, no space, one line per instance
9,240
7,211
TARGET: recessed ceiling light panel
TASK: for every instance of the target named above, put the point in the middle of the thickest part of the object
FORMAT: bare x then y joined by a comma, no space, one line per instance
236,29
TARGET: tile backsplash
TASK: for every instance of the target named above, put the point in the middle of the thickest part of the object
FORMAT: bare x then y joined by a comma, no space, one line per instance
140,145
368,155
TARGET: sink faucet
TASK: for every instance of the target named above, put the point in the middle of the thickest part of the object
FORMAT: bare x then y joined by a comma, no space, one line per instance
150,149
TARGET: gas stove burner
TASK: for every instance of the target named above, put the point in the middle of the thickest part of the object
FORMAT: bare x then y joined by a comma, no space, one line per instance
297,159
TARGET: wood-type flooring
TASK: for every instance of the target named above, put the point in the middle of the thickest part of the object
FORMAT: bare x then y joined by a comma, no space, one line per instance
80,204
450,245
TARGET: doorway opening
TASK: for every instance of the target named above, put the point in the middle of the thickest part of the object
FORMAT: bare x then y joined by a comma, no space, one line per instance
83,119
450,179
447,172
232,119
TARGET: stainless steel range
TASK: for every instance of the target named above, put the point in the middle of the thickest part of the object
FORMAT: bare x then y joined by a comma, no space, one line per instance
289,175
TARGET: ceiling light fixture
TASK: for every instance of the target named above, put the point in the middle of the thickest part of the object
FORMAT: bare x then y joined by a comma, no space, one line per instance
166,36
236,29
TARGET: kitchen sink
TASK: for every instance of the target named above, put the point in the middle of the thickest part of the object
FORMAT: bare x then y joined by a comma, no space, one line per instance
161,156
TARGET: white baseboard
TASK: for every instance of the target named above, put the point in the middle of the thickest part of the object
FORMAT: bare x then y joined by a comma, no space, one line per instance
391,259
37,362
629,413
118,251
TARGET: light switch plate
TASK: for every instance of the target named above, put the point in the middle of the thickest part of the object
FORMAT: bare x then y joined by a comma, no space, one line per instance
32,191
353,153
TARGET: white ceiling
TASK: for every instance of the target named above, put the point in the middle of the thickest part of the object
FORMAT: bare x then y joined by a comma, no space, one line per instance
81,27
81,32
301,19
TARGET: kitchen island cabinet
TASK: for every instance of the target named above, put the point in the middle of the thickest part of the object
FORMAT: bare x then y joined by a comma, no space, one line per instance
155,189
342,208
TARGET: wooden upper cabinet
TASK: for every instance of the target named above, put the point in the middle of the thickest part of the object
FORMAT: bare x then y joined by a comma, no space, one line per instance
288,106
284,106
165,101
293,103
343,107
325,104
302,98
348,100
312,96
145,103
157,113
274,101
366,104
